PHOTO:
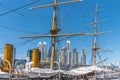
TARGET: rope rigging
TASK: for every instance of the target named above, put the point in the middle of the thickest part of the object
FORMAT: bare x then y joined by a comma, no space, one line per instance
23,6
15,29
23,43
9,9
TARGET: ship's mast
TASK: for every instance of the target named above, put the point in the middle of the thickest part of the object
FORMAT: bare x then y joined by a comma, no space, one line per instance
53,31
95,49
95,36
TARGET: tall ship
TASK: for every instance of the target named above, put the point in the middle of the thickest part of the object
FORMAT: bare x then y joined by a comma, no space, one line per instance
32,70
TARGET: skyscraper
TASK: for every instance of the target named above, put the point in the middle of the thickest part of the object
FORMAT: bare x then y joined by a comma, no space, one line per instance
56,57
29,55
83,58
68,53
43,49
62,56
40,49
75,56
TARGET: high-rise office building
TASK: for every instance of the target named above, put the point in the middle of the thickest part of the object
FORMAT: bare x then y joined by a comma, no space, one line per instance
29,55
43,49
56,57
63,56
68,53
75,56
40,49
83,58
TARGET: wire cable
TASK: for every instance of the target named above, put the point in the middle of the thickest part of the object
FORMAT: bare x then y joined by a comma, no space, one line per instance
9,9
91,61
13,10
24,42
4,26
27,41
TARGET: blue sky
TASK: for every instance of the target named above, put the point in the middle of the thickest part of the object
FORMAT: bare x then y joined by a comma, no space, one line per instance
73,18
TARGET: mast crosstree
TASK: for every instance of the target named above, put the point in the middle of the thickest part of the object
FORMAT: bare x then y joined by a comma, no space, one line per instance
54,29
95,49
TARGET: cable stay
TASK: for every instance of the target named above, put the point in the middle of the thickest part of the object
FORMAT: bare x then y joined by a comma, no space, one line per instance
9,9
95,49
13,10
102,61
15,29
54,30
